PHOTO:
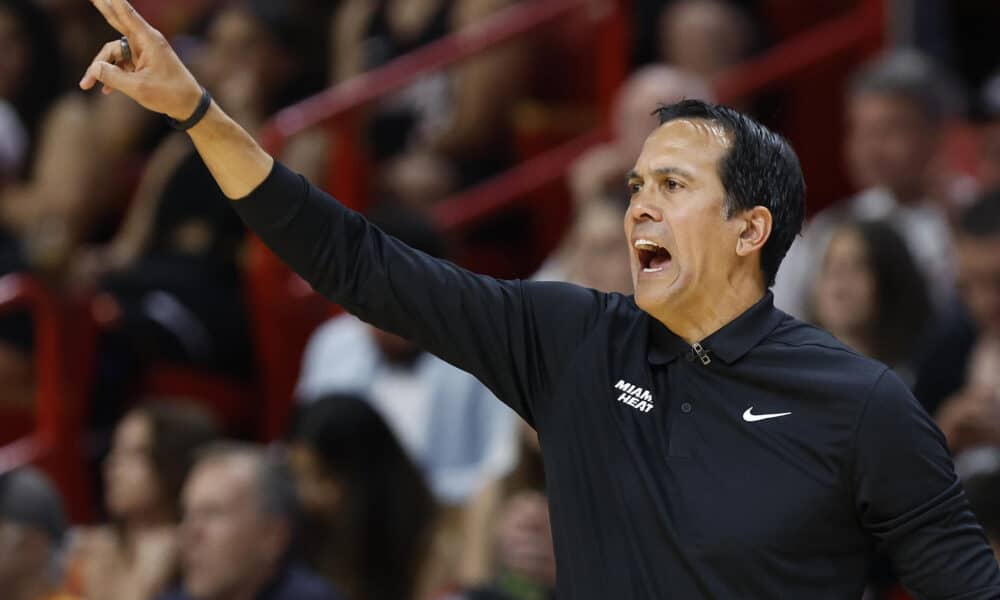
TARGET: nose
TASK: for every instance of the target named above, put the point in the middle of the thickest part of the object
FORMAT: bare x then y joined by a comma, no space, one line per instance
641,209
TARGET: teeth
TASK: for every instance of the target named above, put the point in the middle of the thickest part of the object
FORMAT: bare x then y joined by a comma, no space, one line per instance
652,270
646,245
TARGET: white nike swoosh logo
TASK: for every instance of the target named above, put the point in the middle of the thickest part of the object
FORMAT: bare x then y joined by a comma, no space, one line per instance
749,417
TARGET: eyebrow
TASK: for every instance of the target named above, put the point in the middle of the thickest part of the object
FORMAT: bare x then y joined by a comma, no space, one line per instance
633,174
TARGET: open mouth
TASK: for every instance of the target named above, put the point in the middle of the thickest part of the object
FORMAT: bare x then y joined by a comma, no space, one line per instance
653,257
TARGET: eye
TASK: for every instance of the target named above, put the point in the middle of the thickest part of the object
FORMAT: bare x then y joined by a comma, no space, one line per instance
634,188
673,185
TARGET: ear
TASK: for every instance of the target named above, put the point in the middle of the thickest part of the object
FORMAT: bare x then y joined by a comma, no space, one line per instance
755,230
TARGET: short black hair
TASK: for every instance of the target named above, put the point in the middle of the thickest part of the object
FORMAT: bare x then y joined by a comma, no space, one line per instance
760,169
915,78
982,218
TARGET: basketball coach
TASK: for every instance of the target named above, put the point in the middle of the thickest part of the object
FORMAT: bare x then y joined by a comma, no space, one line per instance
698,442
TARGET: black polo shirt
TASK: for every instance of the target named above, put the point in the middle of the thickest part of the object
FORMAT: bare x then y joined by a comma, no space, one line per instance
767,462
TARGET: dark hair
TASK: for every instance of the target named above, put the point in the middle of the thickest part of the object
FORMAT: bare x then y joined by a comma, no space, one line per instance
982,218
914,77
759,169
387,512
43,78
275,483
178,432
902,301
299,27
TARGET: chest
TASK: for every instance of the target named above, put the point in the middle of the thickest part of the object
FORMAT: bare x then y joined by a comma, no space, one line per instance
719,458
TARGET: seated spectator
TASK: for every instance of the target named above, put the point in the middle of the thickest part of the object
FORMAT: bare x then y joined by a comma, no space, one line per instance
989,148
153,450
896,107
964,366
462,115
594,252
871,296
170,283
32,532
979,470
600,172
370,514
507,551
705,37
236,538
450,425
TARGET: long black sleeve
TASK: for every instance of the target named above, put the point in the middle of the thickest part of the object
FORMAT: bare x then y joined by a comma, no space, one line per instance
909,498
514,336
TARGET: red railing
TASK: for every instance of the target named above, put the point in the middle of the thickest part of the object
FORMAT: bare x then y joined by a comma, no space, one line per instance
57,415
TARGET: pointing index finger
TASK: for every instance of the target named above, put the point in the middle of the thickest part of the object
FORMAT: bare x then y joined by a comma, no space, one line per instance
107,11
131,18
124,17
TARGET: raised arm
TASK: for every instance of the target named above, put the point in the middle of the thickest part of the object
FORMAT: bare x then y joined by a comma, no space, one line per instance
158,80
516,337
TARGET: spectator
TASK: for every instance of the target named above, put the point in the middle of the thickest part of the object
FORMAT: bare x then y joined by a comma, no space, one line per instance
462,116
371,514
594,253
966,364
871,295
507,551
449,424
153,450
32,531
896,108
600,173
989,149
236,539
979,470
705,37
170,282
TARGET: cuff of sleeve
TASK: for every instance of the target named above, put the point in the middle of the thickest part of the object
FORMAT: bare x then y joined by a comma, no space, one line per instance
275,201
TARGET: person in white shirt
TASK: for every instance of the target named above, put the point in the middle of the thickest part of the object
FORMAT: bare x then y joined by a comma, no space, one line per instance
448,422
896,108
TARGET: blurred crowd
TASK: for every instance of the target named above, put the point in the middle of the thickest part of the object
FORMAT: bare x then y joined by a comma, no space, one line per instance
401,476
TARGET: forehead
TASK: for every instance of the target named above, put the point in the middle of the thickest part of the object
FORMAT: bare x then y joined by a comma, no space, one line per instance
226,480
692,145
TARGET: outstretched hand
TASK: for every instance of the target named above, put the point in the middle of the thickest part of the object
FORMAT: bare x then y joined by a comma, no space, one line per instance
155,77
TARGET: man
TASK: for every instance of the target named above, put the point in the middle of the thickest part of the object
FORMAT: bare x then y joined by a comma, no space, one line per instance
239,513
698,443
896,109
448,423
32,529
959,379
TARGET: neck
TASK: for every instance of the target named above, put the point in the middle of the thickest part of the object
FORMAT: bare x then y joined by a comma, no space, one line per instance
700,317
909,195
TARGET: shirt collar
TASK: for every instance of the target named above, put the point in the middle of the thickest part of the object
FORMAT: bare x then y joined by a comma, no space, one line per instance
729,344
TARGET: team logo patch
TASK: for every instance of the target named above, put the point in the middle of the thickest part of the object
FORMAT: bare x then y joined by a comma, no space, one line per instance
634,396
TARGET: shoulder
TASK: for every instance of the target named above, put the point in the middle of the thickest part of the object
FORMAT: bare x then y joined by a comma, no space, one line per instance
299,583
815,354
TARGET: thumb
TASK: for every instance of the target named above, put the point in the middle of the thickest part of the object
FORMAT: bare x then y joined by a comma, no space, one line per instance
108,74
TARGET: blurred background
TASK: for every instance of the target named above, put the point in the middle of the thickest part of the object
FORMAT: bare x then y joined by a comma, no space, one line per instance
181,417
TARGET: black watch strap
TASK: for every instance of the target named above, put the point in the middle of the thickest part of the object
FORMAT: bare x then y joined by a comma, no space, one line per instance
199,113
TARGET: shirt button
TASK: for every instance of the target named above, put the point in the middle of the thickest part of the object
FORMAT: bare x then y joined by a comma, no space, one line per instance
686,407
